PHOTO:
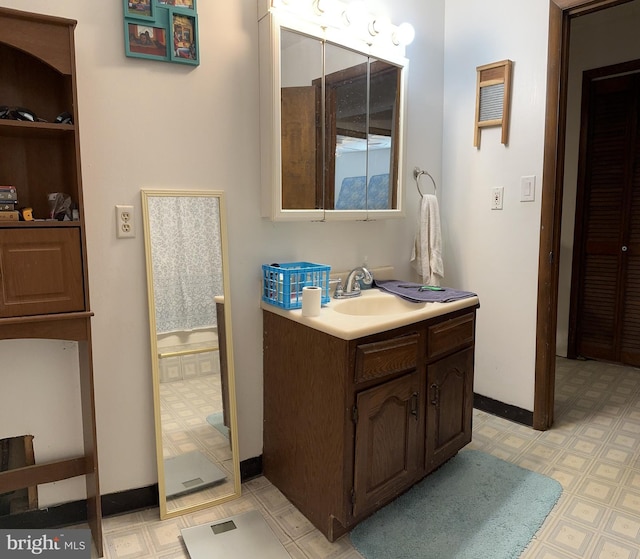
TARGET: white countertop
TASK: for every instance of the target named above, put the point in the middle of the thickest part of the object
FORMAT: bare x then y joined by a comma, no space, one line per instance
350,327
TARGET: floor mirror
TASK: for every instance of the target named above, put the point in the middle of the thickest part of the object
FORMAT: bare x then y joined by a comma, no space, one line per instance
191,349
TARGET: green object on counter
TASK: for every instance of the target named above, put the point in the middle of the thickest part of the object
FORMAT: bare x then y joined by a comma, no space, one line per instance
423,287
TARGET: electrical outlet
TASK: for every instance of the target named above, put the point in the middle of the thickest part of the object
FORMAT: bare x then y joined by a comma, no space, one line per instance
497,194
124,222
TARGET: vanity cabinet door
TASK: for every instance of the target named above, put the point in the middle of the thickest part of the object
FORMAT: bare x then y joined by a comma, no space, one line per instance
449,407
388,442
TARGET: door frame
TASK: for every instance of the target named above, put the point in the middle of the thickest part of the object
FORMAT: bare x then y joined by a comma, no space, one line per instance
561,12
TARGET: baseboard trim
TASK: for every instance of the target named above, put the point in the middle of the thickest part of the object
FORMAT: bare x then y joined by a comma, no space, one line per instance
250,468
68,514
75,512
506,411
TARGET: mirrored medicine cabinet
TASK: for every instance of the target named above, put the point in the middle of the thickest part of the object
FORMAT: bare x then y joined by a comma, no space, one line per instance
332,112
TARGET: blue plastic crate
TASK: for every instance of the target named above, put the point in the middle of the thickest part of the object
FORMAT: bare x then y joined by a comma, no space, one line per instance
282,284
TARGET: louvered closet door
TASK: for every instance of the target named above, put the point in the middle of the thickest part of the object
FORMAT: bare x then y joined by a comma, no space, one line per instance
630,344
608,225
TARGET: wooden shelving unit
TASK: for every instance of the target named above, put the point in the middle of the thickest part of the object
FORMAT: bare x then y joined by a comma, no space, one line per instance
44,290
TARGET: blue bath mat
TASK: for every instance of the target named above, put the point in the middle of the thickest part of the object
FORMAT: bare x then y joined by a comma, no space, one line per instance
216,421
476,506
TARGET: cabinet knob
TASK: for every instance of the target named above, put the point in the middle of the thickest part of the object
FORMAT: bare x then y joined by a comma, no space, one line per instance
625,248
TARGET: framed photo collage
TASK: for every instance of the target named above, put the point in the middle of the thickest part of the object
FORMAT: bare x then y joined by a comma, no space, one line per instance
164,30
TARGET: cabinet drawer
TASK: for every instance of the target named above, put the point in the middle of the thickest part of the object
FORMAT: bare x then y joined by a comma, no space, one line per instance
450,335
380,359
40,271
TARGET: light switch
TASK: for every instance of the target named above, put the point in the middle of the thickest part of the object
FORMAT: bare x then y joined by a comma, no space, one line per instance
528,188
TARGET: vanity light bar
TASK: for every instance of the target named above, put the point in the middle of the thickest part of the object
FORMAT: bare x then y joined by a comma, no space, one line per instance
352,17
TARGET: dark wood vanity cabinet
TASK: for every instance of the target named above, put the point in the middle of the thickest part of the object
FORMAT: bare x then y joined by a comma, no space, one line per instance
450,356
449,392
351,424
389,430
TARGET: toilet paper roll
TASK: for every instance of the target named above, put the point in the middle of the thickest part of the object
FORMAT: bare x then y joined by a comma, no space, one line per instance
311,300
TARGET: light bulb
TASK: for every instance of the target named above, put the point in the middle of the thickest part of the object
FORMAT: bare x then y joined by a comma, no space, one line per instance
327,8
320,6
354,13
379,24
404,34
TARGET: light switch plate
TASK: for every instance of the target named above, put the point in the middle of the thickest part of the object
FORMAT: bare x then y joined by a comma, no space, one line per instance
528,188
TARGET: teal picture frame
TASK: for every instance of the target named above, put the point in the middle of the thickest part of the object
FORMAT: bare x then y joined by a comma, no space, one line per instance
183,45
139,9
146,40
186,5
162,30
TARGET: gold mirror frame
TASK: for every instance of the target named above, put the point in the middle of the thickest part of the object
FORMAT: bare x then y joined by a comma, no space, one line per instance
229,487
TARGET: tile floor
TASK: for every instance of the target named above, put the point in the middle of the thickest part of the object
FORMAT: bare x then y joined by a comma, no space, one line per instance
593,450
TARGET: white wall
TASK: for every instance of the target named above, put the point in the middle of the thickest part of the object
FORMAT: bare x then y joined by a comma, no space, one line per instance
146,124
150,124
492,252
617,28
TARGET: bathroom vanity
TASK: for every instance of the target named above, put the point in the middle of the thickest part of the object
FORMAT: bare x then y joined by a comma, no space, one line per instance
359,407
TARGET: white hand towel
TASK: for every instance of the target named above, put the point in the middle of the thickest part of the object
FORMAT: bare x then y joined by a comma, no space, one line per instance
426,255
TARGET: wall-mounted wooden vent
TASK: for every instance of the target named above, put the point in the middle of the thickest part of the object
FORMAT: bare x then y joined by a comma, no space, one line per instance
493,98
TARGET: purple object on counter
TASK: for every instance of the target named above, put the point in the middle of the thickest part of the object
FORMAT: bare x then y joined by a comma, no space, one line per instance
411,292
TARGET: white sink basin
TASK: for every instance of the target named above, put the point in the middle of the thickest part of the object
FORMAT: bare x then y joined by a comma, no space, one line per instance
376,303
372,312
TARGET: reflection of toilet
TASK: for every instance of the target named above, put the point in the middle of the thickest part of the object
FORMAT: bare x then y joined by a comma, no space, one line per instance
190,472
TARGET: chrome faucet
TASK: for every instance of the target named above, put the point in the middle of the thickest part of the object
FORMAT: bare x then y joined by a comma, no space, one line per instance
352,287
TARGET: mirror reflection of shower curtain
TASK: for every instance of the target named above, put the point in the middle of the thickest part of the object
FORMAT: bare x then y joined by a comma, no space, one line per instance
187,261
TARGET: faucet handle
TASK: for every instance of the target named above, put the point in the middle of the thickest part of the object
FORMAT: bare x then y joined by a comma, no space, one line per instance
339,291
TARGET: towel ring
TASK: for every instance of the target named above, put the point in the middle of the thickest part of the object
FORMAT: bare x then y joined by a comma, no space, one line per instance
417,173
